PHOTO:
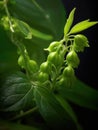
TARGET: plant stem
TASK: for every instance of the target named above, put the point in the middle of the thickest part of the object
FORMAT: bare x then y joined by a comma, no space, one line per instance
8,14
24,114
23,52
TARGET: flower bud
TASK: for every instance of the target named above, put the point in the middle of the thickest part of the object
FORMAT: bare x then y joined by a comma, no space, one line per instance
21,61
33,66
66,82
68,71
80,42
42,77
72,59
45,67
53,46
55,58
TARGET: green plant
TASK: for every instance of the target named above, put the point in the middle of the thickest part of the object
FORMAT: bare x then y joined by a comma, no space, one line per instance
45,81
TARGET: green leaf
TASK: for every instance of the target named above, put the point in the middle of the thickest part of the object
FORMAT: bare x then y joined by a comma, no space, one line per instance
69,22
41,17
47,16
24,28
41,35
29,32
83,25
51,109
81,94
4,125
17,93
67,107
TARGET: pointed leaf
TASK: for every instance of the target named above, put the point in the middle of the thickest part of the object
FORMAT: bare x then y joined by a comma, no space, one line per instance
17,93
41,35
68,109
24,28
40,14
66,106
81,94
82,26
69,22
51,109
29,32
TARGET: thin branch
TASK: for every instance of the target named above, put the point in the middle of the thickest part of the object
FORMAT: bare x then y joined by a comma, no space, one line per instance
24,114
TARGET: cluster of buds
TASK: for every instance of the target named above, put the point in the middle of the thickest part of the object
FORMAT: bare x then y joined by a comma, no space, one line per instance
62,60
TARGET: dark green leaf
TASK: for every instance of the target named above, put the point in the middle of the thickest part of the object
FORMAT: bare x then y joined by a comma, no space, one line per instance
17,93
81,94
67,108
44,17
51,109
82,26
29,32
69,22
47,16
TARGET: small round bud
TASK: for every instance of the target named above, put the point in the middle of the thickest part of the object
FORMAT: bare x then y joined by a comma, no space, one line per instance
53,46
68,71
55,58
72,59
33,66
21,61
80,42
66,82
45,67
42,77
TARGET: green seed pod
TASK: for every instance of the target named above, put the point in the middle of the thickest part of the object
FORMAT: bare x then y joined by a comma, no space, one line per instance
80,42
42,77
55,58
72,59
68,71
33,66
45,67
53,46
21,61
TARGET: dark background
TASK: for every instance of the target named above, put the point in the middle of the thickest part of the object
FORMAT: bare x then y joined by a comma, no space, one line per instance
87,9
88,68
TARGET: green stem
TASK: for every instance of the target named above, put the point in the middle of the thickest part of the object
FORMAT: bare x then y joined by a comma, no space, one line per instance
8,14
23,52
24,113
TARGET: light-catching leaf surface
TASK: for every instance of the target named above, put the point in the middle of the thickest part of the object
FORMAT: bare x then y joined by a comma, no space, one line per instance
83,25
69,22
81,94
51,109
48,16
17,93
29,32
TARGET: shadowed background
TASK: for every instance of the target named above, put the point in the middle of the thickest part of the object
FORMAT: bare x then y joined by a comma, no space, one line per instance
88,68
